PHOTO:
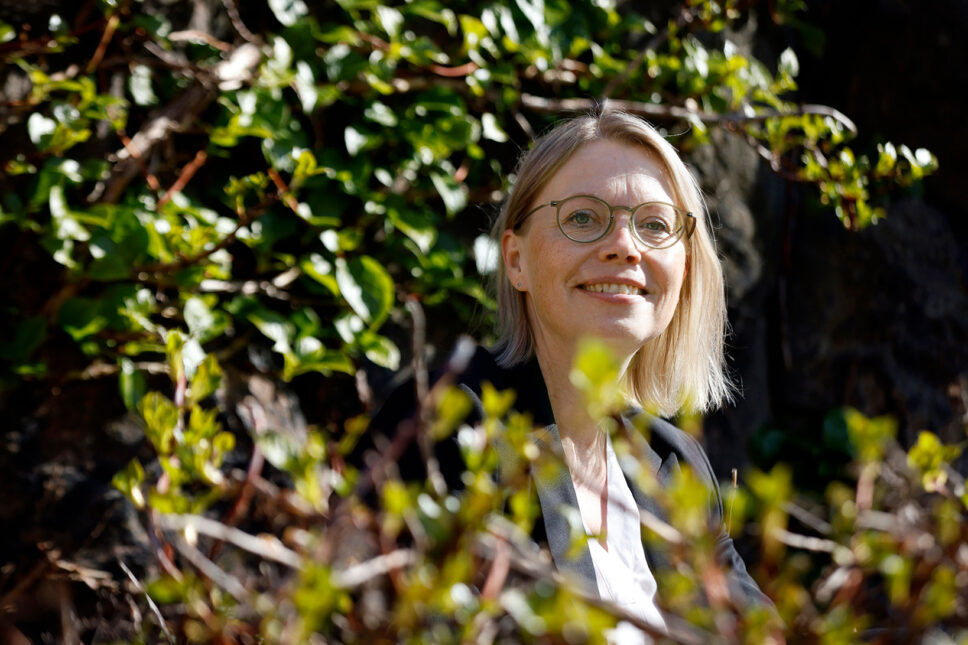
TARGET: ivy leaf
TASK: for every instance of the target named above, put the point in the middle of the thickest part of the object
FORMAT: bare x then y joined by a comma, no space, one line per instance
367,288
81,317
380,350
288,12
40,129
198,317
450,191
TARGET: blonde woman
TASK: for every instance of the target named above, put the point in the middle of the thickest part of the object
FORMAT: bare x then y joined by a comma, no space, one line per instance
604,236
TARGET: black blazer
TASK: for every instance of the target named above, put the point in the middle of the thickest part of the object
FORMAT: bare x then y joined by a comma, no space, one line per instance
665,449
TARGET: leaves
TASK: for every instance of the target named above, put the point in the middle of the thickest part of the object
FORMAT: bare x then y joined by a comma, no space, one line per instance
271,224
366,286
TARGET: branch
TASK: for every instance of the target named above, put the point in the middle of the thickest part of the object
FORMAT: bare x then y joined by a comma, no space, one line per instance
151,603
189,260
657,40
807,543
178,114
212,571
106,37
174,117
357,574
186,175
232,9
542,104
268,547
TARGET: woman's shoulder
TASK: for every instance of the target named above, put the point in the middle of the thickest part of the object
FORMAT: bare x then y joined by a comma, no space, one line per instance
667,439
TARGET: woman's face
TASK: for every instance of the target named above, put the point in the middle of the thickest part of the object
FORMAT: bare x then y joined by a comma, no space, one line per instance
616,289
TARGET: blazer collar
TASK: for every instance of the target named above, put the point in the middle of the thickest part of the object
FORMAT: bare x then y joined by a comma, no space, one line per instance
559,502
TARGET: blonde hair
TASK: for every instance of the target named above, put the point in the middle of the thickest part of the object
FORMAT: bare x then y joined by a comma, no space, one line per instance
683,367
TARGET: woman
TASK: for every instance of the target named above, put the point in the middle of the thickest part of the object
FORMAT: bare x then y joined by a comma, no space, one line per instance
604,236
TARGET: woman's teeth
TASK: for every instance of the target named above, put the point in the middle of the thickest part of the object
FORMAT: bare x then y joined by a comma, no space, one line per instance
613,288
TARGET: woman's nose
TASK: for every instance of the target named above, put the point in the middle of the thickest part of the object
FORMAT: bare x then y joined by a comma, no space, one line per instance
620,243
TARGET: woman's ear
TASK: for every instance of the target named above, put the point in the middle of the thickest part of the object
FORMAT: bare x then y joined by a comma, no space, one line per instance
511,254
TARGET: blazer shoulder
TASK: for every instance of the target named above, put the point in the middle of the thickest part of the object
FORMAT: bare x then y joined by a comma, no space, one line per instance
667,439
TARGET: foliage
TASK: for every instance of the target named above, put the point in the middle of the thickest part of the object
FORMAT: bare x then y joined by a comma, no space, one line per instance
287,179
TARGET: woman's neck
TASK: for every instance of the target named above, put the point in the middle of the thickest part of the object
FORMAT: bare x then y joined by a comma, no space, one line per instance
582,437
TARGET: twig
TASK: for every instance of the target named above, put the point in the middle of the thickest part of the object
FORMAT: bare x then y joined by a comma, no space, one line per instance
424,402
232,9
500,566
102,370
808,518
357,574
245,287
486,545
452,72
635,63
660,527
212,571
805,542
106,37
151,603
241,505
158,549
543,104
39,570
284,191
268,547
197,36
186,175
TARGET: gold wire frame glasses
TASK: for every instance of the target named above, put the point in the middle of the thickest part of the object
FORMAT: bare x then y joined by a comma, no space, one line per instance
586,218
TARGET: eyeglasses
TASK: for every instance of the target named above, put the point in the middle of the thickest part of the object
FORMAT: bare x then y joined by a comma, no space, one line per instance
585,219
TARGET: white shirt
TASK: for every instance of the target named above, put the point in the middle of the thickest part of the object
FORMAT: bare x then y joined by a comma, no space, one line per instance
621,571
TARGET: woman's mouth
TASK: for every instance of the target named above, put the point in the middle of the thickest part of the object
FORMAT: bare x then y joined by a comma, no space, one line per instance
606,287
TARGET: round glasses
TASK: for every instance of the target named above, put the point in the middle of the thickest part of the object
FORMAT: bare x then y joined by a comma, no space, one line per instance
585,218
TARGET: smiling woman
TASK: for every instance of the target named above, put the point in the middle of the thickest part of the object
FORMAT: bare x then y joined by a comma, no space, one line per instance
619,154
604,236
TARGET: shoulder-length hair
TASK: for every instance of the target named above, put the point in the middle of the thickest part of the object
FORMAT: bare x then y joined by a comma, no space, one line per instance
684,367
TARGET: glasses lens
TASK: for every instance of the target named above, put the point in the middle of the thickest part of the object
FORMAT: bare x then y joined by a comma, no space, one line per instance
657,224
583,219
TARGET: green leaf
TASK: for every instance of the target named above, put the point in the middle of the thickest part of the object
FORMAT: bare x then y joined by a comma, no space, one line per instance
81,317
321,270
453,194
206,379
40,129
198,317
416,225
380,350
288,12
492,129
27,337
275,327
367,288
131,384
161,418
139,84
7,32
596,375
129,480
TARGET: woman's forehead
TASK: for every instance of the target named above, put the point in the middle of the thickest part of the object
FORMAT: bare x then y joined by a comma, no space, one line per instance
610,167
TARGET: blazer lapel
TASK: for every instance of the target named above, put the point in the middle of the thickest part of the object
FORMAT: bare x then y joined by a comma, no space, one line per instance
664,471
559,502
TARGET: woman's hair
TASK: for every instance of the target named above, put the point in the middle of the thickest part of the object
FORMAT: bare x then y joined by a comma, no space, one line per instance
683,367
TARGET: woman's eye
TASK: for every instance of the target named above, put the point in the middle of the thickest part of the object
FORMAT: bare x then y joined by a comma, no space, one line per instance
581,218
654,226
